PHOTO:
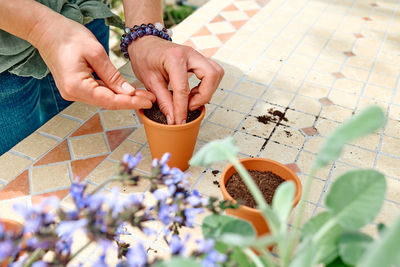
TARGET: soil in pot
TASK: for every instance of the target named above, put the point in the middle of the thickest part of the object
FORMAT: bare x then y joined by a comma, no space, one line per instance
155,114
267,182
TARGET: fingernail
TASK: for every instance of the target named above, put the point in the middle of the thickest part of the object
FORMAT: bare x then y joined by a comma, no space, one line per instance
127,88
183,122
169,120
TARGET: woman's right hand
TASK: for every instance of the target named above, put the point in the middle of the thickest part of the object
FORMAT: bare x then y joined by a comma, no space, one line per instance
72,53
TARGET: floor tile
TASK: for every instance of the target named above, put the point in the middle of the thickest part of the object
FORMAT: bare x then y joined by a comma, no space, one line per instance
116,137
279,152
57,154
93,125
117,119
50,177
306,104
221,116
14,164
60,194
248,144
80,110
298,119
81,168
208,41
288,136
16,188
88,145
238,103
210,131
126,147
357,156
59,126
35,145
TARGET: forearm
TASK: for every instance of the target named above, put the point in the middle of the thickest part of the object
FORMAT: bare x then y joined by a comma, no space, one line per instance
26,19
142,11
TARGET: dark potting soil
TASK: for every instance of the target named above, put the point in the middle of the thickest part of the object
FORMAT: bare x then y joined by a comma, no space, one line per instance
155,114
273,116
268,182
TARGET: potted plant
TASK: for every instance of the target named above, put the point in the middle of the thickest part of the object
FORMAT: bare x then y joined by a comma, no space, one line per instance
178,140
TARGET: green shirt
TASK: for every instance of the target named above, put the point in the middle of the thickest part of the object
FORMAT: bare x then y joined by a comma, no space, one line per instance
19,57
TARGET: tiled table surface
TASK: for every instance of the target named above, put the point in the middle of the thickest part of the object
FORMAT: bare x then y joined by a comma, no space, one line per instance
318,61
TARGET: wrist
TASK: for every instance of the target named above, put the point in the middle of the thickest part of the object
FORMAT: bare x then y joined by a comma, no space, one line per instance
42,29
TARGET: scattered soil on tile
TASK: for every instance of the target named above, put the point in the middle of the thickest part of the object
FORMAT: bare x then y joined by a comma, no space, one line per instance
268,182
155,114
273,116
243,128
216,183
288,134
215,172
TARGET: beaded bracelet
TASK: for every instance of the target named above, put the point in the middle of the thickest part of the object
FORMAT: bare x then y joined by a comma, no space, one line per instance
132,34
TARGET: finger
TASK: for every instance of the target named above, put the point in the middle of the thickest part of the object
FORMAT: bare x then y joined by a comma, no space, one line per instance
112,78
164,99
146,94
177,72
210,74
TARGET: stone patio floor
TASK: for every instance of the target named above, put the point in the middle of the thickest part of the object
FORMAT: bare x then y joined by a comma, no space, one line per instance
317,61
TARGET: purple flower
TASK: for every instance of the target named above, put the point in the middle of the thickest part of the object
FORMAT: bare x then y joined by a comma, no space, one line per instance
115,202
205,246
101,262
165,158
67,228
35,243
76,191
167,212
6,249
135,200
178,246
154,163
137,256
196,199
63,246
190,214
213,258
39,264
131,161
161,195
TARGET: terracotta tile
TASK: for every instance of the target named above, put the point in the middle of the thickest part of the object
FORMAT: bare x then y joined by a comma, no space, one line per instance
349,53
310,131
252,12
93,125
202,32
60,194
57,154
116,137
126,147
90,145
225,36
218,18
373,4
209,52
81,168
358,35
338,75
189,43
11,165
46,178
238,24
367,18
17,187
231,7
293,167
139,135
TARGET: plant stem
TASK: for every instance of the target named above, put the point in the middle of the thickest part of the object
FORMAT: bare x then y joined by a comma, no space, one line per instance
103,184
34,256
253,257
251,185
80,250
299,216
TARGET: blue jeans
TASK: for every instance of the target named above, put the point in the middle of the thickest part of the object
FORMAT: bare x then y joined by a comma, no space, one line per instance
27,103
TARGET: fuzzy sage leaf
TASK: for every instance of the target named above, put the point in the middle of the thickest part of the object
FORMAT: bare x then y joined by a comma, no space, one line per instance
282,201
369,120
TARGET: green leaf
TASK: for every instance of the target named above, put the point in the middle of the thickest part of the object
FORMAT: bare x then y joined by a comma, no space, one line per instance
356,198
305,254
337,263
215,151
326,248
282,202
179,262
368,121
215,226
384,251
237,233
381,227
352,245
236,254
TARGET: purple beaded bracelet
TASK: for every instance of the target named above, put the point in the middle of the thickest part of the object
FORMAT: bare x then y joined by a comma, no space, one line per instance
134,33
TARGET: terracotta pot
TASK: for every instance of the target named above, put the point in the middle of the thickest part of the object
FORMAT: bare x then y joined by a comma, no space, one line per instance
178,140
251,215
10,225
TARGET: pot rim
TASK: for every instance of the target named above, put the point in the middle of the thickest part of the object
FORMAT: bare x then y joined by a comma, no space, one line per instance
172,127
296,181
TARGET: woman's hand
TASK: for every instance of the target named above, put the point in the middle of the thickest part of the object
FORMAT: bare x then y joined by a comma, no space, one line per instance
72,54
157,63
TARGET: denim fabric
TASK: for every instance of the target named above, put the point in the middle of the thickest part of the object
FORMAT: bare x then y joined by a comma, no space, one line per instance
27,103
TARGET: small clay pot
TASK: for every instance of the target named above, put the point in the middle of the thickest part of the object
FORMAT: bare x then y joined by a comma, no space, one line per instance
178,140
13,226
254,216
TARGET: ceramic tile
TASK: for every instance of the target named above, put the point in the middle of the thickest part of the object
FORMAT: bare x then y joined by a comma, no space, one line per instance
88,145
320,78
116,137
250,89
234,15
209,52
343,98
220,27
207,187
366,102
39,198
355,74
248,144
317,190
306,104
314,144
308,213
370,142
224,37
218,96
80,110
286,83
12,165
59,126
305,160
246,5
294,71
288,136
268,64
81,168
35,145
360,62
93,125
386,68
208,41
383,80
388,213
238,103
279,152
7,210
380,93
210,131
118,118
278,97
392,128
57,154
203,31
313,90
16,188
261,76
49,177
228,118
358,156
299,120
228,82
391,146
252,126
138,135
126,147
336,113
326,127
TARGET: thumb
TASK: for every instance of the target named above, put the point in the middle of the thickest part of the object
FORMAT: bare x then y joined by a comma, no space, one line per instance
111,77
